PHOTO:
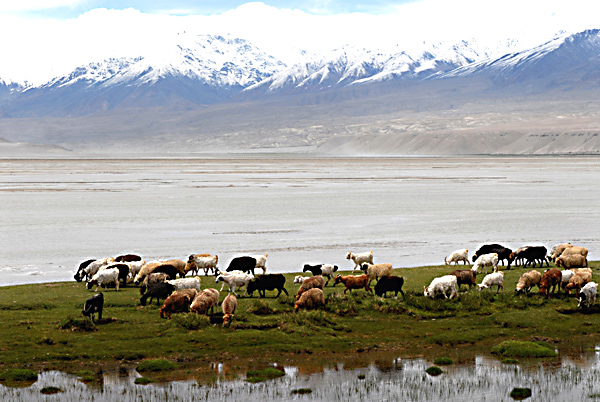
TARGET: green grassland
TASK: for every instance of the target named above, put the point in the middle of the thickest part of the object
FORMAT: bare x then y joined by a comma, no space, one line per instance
42,325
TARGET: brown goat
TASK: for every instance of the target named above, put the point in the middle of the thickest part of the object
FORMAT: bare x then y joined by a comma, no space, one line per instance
354,282
178,302
551,279
465,277
316,281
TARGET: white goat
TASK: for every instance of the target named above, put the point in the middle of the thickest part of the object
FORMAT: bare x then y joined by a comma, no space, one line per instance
103,278
261,262
360,259
95,266
442,285
207,262
185,283
300,278
458,255
376,271
234,280
493,279
587,295
486,260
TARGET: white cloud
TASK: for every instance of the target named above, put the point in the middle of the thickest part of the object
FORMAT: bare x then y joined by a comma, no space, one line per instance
41,49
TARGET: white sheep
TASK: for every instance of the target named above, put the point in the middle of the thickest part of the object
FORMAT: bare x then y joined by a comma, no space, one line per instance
441,285
261,262
458,255
493,279
486,260
360,259
376,271
234,280
567,274
103,278
228,306
185,283
587,295
95,266
207,262
134,267
528,280
300,278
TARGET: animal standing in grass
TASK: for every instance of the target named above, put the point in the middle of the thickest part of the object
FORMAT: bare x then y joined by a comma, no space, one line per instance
354,282
94,305
441,286
457,256
311,299
228,307
360,259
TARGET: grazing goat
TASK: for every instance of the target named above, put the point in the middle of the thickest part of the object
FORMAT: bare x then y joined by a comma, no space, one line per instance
354,282
95,266
493,279
178,302
179,266
234,280
204,301
135,267
94,304
376,271
147,269
486,260
577,281
228,307
587,295
263,283
104,278
316,281
300,278
465,277
528,280
123,271
458,255
360,259
557,250
311,299
321,269
503,252
207,262
245,264
80,275
567,274
185,283
156,291
441,286
571,261
152,278
531,254
550,279
389,284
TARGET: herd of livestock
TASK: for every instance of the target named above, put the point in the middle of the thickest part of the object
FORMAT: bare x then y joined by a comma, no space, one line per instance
158,279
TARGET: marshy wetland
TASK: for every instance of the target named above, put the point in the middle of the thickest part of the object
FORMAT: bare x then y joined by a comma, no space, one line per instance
410,211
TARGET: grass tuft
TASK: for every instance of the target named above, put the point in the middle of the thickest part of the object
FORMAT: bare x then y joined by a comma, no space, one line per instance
523,349
50,390
18,375
190,321
434,371
143,381
443,361
156,365
270,373
77,324
520,393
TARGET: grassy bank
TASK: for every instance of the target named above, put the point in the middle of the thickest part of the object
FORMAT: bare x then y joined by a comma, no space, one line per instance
43,326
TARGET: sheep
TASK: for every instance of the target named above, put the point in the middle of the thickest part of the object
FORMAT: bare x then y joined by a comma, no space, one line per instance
228,307
311,299
178,264
80,275
128,258
155,277
577,281
360,259
571,261
389,284
503,252
493,279
135,267
204,301
316,281
207,262
376,271
558,249
516,256
587,295
581,270
185,283
486,260
245,264
178,302
160,290
465,277
104,278
321,269
566,275
456,256
95,266
168,269
354,282
123,271
234,280
441,285
531,254
550,279
300,278
263,283
528,280
146,269
94,304
261,262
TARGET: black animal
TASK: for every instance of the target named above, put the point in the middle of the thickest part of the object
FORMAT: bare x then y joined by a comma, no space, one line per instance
157,291
318,270
94,304
503,252
152,278
389,284
262,283
531,254
245,264
315,269
128,258
123,271
167,269
79,275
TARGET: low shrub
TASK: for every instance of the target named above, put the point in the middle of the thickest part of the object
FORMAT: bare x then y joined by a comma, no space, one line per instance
261,307
190,321
77,324
143,381
270,373
520,393
156,365
523,349
434,371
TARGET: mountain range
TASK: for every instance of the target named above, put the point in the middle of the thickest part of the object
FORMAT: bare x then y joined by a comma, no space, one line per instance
212,92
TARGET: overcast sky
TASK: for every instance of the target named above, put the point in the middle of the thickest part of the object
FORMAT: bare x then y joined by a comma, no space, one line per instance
45,38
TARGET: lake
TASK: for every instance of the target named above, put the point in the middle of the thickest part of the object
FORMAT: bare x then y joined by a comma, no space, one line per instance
410,211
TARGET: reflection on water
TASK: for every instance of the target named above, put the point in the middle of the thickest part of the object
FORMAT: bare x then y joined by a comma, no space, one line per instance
485,379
